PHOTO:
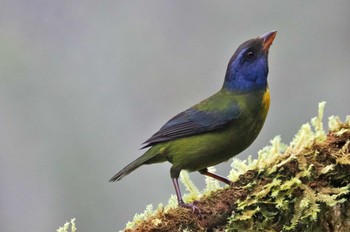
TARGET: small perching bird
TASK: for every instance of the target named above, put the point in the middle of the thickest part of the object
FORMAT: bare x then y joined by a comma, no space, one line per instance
218,127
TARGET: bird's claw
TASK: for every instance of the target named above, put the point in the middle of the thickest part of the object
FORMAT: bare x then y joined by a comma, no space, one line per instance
231,184
191,206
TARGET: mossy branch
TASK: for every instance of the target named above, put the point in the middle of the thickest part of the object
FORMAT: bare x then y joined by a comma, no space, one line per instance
301,187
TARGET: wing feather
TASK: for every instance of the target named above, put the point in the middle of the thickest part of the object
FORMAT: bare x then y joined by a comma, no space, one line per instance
193,122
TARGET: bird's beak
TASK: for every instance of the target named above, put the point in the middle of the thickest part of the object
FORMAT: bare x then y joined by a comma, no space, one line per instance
268,39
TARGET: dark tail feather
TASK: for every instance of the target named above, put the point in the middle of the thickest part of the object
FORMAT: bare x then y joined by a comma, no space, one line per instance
133,165
125,171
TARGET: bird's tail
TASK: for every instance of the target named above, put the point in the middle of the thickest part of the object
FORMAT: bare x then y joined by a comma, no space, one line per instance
145,158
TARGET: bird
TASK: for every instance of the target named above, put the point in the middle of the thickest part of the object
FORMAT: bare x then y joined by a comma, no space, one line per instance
219,127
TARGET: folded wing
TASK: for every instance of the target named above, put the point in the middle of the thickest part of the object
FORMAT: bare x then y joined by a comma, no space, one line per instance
194,122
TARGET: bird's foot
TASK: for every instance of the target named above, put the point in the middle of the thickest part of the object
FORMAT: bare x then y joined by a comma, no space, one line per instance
231,184
191,206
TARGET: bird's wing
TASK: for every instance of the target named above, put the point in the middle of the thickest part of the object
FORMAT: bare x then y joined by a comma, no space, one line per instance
193,122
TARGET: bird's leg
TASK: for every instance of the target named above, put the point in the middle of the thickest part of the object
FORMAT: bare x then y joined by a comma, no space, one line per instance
179,198
215,176
178,193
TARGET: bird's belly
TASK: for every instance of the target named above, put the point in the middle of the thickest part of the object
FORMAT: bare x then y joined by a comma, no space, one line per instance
201,151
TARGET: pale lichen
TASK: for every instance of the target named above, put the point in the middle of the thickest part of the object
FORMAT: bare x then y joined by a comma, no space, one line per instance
286,193
193,192
139,218
320,134
68,227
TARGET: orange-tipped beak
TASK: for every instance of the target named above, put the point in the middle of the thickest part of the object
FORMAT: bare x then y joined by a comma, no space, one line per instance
268,39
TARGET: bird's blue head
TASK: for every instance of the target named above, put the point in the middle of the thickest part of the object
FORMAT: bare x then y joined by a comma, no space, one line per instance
248,67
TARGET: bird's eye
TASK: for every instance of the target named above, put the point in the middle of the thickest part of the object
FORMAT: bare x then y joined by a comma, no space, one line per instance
250,55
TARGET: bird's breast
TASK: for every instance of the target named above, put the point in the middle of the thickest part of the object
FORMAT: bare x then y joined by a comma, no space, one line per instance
265,103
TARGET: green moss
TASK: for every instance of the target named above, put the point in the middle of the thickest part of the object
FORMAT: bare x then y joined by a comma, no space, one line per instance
291,184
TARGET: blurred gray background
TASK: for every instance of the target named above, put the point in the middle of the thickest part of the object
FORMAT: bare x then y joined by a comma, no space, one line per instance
84,83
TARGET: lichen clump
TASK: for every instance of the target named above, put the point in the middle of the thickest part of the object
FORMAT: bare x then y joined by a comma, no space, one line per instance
68,227
285,189
289,191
